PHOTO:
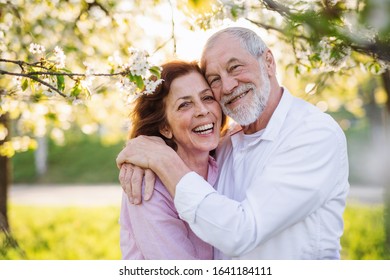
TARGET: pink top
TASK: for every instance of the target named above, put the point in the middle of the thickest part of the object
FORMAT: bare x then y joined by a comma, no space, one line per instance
153,229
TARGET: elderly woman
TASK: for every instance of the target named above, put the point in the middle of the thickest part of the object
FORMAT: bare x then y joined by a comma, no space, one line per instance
185,114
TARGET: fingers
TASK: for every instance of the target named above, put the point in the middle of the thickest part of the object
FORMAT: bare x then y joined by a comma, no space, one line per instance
120,160
136,184
125,175
150,179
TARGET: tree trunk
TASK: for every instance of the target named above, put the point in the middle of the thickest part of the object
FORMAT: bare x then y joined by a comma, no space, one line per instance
4,181
387,180
386,127
41,156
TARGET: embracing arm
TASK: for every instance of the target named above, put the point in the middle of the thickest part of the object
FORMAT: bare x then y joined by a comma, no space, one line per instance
149,152
297,180
131,178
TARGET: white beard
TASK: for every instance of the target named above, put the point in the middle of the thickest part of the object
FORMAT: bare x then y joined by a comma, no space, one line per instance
250,111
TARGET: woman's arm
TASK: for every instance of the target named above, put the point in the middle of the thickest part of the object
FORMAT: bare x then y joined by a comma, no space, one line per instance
154,231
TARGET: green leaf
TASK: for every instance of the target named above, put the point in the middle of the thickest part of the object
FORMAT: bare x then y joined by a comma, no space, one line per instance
66,70
234,11
24,84
60,82
155,70
137,80
76,90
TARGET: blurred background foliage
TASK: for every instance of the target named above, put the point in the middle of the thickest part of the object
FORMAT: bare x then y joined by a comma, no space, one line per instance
335,54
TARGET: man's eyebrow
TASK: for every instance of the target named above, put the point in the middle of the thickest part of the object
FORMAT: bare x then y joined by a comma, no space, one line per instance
230,61
233,59
209,75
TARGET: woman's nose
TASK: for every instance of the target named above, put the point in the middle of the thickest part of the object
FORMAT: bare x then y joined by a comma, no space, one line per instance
201,110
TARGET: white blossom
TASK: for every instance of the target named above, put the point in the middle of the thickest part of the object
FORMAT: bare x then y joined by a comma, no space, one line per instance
150,86
335,62
77,101
127,86
18,82
3,132
138,63
48,92
58,136
59,57
89,76
36,48
115,59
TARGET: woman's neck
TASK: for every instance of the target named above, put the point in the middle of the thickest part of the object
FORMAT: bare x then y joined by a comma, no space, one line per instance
198,163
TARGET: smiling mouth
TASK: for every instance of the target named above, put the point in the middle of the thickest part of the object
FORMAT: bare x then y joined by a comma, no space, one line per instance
237,97
204,129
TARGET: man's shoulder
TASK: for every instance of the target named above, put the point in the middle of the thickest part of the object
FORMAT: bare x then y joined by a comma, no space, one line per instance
305,112
305,120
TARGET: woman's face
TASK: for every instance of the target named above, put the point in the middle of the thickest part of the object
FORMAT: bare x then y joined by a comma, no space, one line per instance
193,115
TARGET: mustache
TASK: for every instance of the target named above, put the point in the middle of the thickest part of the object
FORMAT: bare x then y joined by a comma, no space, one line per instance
238,91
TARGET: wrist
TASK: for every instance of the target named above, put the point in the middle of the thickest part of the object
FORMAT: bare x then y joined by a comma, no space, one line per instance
170,169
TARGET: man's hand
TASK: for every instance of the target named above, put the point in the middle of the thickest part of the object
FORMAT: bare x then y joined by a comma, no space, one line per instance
142,151
131,177
150,152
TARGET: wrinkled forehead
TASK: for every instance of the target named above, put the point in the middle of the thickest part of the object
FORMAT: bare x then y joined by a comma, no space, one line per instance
219,48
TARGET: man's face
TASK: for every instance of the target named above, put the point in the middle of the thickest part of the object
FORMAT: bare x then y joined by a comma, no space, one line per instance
239,81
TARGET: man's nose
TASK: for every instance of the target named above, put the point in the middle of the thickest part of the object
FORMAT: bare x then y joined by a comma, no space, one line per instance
229,83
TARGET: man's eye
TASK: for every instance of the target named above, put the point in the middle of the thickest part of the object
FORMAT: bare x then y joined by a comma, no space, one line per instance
235,67
214,81
208,98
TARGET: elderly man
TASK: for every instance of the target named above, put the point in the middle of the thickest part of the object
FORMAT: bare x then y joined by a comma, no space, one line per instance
283,177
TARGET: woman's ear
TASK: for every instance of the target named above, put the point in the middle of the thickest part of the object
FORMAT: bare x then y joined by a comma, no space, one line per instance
166,131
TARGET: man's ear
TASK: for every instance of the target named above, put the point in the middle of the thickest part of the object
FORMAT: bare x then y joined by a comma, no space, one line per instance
269,62
167,132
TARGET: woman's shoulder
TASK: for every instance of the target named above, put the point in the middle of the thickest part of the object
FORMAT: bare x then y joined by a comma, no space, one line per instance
160,191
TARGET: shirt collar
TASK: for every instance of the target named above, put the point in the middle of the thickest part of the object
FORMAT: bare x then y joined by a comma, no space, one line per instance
278,117
275,123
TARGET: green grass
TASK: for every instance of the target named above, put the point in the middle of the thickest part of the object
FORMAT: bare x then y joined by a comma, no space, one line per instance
55,233
84,159
364,234
76,233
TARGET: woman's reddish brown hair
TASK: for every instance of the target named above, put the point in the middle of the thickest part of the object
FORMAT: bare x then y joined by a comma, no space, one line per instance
148,113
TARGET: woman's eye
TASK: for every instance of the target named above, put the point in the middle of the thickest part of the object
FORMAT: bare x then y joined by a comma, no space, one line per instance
184,105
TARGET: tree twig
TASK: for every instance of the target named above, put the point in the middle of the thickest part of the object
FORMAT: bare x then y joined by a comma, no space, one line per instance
2,72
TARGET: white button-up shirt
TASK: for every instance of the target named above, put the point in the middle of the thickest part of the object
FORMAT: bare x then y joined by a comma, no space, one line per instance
281,192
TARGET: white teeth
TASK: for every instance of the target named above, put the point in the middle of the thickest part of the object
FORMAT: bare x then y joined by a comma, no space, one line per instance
237,97
203,128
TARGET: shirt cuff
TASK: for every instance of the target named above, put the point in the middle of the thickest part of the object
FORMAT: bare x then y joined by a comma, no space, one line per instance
191,190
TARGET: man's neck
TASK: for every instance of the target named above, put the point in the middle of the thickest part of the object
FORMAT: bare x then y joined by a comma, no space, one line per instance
264,118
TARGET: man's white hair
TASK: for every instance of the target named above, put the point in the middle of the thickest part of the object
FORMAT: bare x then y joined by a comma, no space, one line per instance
249,40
